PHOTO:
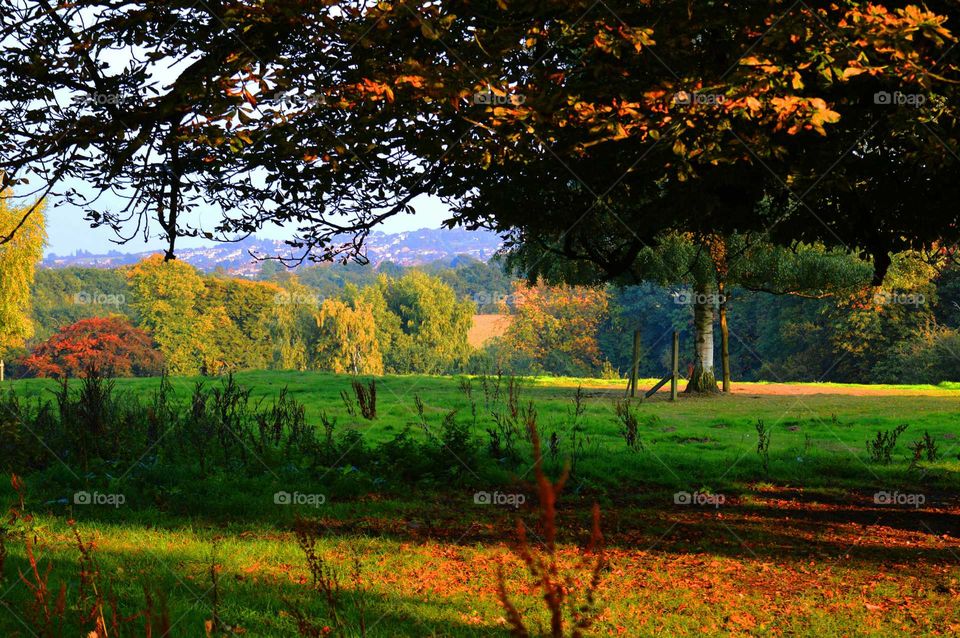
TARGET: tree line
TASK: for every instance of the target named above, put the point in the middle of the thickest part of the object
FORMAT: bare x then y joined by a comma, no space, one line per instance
391,319
215,323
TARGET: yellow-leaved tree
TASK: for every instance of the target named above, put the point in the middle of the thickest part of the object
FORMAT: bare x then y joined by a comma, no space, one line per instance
24,236
167,295
294,325
347,342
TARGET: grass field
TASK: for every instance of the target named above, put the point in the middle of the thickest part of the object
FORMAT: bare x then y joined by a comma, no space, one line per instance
703,534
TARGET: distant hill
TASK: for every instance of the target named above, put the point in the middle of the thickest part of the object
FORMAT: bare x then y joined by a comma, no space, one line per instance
407,249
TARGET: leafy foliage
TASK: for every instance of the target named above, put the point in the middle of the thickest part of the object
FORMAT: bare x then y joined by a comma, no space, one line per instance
18,260
537,141
347,339
421,325
555,328
104,346
882,446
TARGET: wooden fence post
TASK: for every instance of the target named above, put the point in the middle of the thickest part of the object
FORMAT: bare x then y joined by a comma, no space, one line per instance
635,368
676,366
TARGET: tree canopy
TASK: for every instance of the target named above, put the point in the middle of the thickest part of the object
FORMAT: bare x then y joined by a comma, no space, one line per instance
18,263
591,129
98,345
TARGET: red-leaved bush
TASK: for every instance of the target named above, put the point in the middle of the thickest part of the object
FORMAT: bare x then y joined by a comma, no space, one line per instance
108,346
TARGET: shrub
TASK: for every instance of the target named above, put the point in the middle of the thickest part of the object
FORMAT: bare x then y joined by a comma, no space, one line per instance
457,444
366,396
763,444
105,346
629,424
881,447
572,607
404,458
924,449
93,422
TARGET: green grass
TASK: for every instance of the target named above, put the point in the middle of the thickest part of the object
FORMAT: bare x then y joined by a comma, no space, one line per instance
799,550
817,441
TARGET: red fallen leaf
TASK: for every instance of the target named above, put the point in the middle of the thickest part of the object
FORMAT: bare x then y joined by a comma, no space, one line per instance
873,607
743,619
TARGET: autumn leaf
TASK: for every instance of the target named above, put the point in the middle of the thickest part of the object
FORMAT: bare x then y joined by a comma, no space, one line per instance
852,71
416,81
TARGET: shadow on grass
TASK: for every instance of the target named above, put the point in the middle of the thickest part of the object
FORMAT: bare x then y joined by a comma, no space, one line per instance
247,606
768,524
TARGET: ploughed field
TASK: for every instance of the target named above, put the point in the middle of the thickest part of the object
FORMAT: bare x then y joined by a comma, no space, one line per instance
780,510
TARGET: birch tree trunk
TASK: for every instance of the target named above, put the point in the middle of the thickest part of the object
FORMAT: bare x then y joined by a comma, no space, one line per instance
703,378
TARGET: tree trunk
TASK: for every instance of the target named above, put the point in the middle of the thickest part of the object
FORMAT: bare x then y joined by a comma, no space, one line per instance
703,378
724,337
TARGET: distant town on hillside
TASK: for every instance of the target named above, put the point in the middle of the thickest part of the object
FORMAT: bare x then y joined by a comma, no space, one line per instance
411,248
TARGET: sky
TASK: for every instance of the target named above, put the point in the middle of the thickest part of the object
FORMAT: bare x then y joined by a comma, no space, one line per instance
68,232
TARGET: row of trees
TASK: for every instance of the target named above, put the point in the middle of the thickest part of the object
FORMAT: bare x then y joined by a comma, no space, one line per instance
211,324
415,320
714,268
905,332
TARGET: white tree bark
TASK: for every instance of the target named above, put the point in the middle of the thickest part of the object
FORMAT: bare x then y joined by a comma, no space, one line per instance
703,378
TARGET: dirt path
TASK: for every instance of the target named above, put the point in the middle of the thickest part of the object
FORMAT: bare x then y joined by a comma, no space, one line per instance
807,389
796,389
